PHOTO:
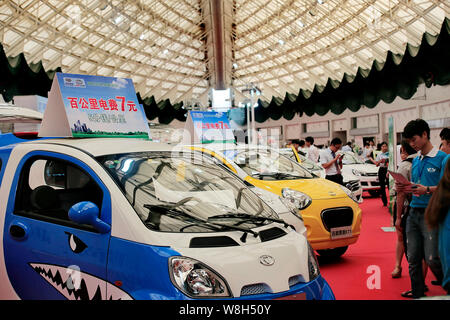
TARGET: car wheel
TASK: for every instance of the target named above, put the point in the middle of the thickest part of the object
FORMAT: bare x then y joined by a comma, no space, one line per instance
374,193
332,253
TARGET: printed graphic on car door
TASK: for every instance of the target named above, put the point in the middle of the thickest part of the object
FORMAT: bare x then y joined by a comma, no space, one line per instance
47,254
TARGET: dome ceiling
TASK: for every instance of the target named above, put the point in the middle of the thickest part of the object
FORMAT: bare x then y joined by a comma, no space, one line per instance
179,49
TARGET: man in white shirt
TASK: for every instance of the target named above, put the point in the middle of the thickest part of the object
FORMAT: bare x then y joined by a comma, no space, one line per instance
382,161
313,152
348,147
367,152
332,162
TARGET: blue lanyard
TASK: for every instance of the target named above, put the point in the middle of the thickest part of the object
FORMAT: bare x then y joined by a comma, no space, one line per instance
423,162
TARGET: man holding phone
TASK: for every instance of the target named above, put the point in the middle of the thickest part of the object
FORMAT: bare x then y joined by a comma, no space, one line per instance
425,175
332,162
382,161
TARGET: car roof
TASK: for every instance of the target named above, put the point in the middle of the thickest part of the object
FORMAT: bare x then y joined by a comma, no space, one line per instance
103,146
232,146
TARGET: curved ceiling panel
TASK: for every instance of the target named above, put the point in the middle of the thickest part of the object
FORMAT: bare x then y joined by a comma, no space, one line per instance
178,49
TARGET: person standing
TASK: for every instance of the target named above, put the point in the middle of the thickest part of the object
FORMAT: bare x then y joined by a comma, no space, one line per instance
376,152
372,145
348,147
401,207
437,216
382,161
296,144
301,149
313,152
425,175
445,140
367,152
332,162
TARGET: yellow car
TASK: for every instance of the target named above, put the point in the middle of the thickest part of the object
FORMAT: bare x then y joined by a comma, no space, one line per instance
330,211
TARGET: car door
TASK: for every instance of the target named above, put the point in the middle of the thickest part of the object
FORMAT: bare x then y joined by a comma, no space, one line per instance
48,256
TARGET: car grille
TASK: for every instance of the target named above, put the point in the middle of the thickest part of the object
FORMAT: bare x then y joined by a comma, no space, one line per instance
371,174
352,185
257,288
295,280
337,217
262,288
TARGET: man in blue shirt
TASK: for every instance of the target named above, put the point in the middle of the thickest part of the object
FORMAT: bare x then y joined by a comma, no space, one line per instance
425,175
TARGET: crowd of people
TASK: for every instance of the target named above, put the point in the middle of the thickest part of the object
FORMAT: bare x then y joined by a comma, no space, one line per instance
422,201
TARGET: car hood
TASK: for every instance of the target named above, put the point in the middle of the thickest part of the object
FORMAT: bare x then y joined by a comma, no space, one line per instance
367,168
240,266
317,189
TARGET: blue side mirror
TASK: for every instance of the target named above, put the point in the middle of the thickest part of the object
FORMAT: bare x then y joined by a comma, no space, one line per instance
86,212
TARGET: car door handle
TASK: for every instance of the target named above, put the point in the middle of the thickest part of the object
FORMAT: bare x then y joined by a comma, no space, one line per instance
18,231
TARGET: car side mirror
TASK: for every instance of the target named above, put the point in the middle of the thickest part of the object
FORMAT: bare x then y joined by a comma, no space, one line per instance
86,212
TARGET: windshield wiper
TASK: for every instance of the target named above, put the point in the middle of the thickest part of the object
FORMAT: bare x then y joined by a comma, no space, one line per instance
249,217
277,175
172,212
169,210
290,175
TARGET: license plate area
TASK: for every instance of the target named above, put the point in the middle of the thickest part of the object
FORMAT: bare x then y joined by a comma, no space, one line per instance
297,296
341,232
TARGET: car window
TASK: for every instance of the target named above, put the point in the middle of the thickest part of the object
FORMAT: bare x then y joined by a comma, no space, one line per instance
176,193
309,164
350,158
265,164
49,187
288,153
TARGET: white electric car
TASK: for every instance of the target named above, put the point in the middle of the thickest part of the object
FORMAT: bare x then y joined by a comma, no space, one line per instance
95,218
367,172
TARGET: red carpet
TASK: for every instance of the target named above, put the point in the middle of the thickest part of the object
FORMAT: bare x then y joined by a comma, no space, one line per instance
354,275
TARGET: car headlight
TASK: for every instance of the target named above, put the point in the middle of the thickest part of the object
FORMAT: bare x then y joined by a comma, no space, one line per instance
195,279
313,264
292,207
349,193
298,199
356,172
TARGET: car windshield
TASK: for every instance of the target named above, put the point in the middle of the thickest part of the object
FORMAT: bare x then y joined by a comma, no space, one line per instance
309,164
266,164
288,152
351,158
182,192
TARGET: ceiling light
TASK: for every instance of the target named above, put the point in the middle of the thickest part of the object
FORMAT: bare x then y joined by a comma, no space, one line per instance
235,65
190,63
165,51
141,37
320,1
118,19
281,41
300,23
259,56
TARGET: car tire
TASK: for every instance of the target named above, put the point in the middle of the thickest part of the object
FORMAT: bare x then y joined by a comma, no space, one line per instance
374,193
332,253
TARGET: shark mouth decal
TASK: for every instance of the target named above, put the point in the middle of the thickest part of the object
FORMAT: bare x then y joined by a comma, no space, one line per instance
76,285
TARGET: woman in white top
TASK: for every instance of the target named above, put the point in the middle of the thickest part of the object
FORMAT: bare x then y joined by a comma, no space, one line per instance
407,153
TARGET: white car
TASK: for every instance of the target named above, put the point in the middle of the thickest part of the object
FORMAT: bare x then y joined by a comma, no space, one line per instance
351,181
88,219
367,172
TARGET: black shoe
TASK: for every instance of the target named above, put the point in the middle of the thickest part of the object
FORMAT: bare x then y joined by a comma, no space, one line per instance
436,282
